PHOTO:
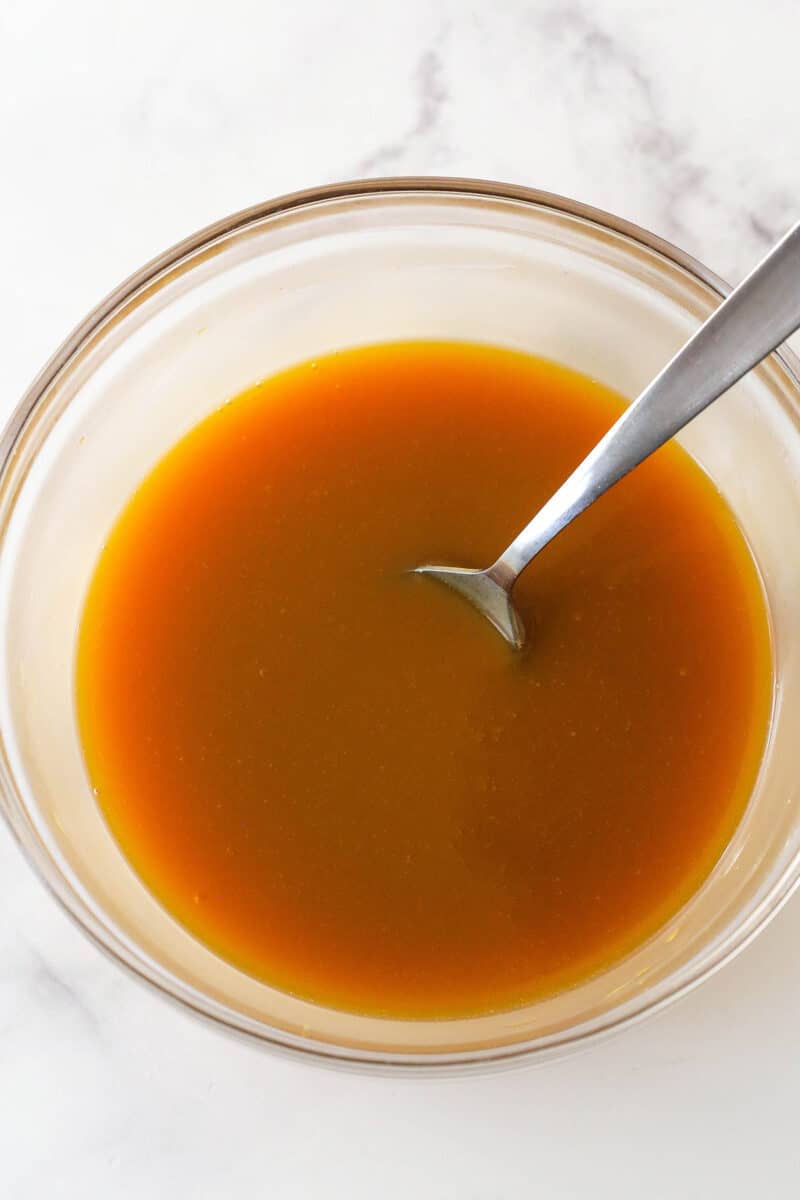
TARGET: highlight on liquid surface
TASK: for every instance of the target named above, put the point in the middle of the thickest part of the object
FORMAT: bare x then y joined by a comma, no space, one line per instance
335,773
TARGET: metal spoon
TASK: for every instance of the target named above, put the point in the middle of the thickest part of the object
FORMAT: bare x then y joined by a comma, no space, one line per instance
757,316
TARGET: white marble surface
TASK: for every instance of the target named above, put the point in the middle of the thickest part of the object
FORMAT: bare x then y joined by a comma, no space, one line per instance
124,126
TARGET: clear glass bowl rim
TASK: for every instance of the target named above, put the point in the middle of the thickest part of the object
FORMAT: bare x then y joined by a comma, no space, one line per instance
175,989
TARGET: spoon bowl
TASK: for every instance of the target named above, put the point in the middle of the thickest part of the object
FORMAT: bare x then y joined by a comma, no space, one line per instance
486,594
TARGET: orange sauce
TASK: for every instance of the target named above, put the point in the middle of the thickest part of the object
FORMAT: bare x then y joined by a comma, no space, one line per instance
336,774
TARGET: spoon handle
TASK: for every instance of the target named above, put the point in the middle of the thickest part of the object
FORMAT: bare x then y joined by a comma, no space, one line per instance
755,318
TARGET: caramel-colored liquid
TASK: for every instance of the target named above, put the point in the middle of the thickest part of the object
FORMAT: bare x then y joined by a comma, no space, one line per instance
335,773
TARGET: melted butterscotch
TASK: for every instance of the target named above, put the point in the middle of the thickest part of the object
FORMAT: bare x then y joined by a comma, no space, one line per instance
335,773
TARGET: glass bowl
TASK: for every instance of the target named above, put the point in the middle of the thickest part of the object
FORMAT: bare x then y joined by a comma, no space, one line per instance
282,282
